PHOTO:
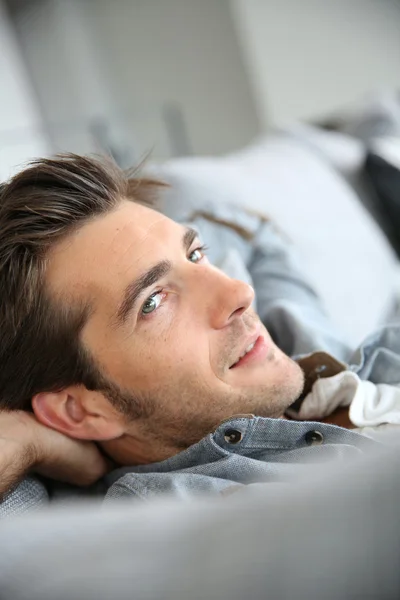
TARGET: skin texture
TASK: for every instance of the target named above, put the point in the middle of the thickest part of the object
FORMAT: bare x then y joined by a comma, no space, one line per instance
27,445
174,361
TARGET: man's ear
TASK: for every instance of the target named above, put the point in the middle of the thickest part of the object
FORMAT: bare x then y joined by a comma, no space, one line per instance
79,413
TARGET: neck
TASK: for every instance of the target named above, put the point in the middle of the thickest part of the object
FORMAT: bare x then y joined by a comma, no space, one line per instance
128,450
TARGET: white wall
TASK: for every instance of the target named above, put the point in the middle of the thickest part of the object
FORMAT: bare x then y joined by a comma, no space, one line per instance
183,52
65,70
21,134
307,58
136,62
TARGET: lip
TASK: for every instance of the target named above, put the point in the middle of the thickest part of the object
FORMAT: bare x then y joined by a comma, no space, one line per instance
258,353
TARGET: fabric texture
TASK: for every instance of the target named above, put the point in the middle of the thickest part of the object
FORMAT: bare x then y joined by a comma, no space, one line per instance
370,404
334,534
30,494
243,450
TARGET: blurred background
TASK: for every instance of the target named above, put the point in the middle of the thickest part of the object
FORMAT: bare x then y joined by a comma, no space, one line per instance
289,107
183,77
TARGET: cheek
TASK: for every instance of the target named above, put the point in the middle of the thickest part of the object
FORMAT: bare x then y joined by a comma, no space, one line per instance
181,349
154,355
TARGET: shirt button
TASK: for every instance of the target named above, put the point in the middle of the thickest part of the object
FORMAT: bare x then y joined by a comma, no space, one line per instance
314,438
233,436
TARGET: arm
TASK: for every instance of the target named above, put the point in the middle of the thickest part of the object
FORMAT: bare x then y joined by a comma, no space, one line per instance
15,462
287,303
26,446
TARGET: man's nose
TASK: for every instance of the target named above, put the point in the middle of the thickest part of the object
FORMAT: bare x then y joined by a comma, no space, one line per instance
227,299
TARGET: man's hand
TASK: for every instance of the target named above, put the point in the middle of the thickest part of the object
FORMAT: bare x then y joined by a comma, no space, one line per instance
26,445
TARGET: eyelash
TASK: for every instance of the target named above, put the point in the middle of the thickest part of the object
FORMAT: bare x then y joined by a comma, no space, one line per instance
203,249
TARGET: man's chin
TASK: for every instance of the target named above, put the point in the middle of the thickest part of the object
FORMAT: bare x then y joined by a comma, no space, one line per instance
272,398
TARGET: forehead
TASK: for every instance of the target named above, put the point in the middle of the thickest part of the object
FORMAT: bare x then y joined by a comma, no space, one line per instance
103,255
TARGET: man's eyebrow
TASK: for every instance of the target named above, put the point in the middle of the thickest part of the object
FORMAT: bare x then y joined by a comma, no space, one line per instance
134,289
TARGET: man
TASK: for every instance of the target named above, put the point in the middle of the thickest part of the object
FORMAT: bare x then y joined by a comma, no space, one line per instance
117,329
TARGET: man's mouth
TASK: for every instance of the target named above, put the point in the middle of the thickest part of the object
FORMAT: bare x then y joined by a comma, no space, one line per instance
256,350
248,349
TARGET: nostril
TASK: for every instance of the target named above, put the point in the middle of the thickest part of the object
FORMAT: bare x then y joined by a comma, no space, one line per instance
239,311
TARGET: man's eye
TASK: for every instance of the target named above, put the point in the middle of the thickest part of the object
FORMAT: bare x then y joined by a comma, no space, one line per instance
152,303
198,254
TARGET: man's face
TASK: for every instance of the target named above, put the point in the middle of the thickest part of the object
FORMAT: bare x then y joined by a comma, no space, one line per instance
172,336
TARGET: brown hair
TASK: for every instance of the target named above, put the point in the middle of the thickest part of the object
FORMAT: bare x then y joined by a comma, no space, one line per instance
40,348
